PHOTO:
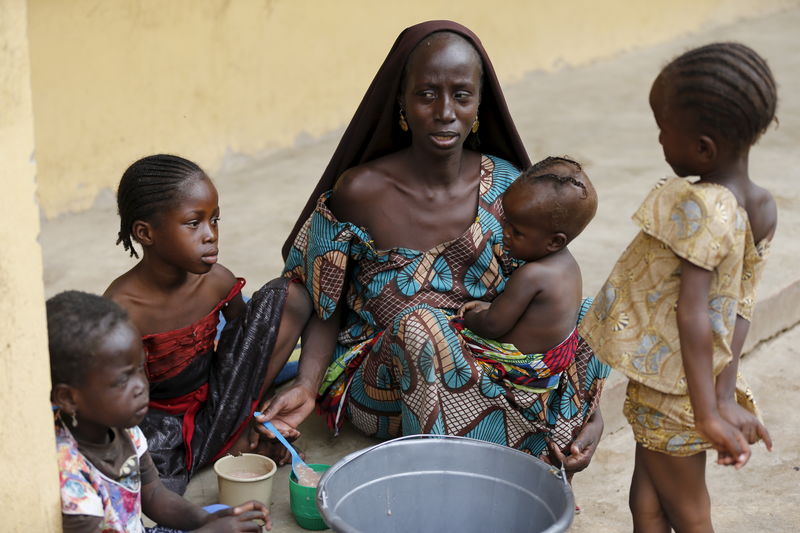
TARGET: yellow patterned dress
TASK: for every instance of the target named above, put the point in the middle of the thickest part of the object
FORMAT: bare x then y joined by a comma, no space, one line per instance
632,324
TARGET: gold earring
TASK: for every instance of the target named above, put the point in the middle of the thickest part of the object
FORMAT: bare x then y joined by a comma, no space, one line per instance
403,123
74,419
475,125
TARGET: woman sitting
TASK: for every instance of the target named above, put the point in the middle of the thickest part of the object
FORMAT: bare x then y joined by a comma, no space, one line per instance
411,232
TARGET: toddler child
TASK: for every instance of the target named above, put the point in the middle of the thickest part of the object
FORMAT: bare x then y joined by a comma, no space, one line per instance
675,310
100,391
532,322
201,399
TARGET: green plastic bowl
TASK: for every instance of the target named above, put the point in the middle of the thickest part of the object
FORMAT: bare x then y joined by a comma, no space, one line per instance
303,501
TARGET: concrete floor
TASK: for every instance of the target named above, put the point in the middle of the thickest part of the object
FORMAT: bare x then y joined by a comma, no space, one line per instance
599,115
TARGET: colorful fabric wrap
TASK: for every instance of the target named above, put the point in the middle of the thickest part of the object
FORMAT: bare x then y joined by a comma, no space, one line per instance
399,366
503,362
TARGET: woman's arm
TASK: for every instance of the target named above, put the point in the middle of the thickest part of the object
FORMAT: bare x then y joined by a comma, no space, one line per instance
694,329
292,406
582,448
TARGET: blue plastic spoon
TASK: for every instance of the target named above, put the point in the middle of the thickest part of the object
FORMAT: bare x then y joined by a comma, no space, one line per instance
295,456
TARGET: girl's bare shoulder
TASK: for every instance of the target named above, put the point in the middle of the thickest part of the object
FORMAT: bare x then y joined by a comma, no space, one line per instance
219,281
125,288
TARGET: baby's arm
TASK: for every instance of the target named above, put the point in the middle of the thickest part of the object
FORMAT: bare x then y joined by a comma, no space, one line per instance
495,319
694,328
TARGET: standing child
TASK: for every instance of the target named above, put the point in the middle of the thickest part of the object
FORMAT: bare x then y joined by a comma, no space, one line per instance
100,391
675,310
201,399
533,321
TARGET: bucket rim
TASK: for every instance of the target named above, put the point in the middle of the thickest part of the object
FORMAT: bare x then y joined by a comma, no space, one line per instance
262,477
336,523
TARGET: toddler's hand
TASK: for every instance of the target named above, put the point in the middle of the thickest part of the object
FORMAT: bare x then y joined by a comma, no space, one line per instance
746,422
474,305
726,439
238,519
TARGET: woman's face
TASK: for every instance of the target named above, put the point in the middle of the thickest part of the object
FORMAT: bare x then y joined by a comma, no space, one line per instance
442,92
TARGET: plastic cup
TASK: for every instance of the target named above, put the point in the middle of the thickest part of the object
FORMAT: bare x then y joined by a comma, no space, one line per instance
303,501
245,477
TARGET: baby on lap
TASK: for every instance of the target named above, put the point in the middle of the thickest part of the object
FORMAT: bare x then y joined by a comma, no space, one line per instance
527,335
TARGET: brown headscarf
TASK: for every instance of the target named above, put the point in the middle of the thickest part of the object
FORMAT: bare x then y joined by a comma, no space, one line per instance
374,130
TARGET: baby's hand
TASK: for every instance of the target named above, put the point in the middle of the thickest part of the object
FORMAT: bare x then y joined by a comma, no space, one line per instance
726,439
746,422
238,519
474,305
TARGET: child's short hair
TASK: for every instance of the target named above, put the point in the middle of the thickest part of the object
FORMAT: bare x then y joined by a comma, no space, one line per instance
149,185
728,86
76,323
571,213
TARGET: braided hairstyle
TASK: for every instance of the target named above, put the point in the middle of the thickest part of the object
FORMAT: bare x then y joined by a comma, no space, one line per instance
149,186
76,324
568,213
728,87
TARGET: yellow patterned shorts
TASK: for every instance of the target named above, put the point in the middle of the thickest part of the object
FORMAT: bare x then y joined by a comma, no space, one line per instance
665,422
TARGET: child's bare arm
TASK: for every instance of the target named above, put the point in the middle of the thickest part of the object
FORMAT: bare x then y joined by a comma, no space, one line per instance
744,420
694,328
169,509
497,319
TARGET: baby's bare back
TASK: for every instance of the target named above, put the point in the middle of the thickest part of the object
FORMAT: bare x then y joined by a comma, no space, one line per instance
552,312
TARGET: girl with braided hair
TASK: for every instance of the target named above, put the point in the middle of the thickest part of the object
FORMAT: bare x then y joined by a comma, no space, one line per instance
201,398
674,313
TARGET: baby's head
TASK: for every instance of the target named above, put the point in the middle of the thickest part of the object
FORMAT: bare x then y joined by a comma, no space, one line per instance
546,208
96,363
154,186
716,98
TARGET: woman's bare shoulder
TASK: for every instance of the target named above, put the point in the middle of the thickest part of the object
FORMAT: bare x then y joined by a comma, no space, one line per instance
359,188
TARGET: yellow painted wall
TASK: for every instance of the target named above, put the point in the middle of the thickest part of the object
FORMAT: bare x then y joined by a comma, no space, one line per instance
29,496
115,80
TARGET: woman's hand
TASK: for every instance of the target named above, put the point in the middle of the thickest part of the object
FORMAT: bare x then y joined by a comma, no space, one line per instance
582,448
475,306
237,519
287,410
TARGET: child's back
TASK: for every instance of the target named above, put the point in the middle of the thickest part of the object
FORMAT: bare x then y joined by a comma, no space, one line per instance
552,313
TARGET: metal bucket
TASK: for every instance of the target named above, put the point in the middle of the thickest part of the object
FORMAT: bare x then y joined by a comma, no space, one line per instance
444,484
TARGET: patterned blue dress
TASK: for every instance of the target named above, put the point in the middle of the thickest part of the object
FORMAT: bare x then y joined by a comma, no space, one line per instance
400,368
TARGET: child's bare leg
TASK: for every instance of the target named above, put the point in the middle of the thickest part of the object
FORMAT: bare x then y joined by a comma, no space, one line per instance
680,483
648,516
